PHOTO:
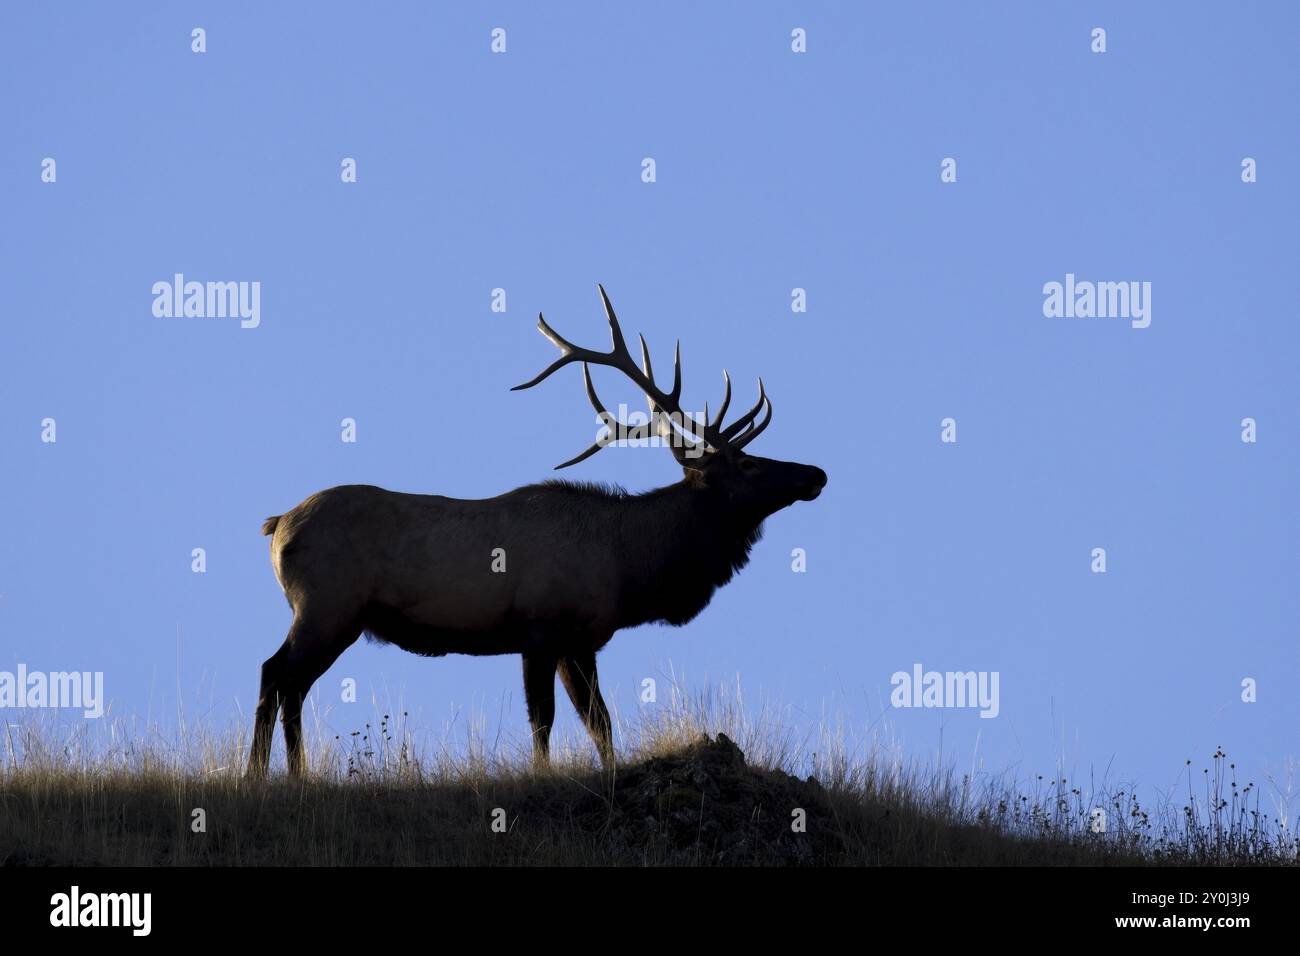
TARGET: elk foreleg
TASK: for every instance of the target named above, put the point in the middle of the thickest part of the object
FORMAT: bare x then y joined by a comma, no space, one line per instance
578,673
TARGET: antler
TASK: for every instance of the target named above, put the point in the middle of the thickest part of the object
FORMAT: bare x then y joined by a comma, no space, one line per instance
684,433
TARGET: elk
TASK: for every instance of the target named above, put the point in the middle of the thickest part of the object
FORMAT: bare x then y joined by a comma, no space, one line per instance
581,560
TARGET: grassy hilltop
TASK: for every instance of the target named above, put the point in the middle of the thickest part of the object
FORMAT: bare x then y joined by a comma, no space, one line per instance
684,793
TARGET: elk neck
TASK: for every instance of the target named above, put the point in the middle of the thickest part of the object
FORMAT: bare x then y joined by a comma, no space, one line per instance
680,544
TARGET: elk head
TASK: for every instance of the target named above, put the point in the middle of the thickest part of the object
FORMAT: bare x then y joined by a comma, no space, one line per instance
711,454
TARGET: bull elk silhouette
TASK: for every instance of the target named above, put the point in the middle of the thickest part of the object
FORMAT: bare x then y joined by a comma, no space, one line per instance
583,561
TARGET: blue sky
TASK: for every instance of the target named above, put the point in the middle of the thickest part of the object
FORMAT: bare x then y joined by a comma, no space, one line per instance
775,170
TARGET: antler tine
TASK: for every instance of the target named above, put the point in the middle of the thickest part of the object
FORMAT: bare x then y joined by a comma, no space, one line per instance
555,338
753,432
620,358
568,353
615,333
726,403
663,427
604,439
583,457
591,393
676,393
649,371
730,432
699,431
673,398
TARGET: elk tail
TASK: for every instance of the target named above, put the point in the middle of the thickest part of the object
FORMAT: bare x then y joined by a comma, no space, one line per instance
268,526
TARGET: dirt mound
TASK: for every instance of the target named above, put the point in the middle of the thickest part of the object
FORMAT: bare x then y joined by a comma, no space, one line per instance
705,805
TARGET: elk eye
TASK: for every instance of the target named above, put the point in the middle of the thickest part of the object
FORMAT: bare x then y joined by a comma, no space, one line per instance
748,466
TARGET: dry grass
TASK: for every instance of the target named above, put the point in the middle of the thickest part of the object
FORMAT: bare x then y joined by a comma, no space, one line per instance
377,796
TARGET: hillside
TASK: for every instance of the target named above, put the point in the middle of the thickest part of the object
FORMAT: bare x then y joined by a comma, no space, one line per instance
700,803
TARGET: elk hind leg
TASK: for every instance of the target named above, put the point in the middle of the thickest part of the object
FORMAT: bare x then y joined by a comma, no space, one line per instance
315,644
539,694
312,646
268,706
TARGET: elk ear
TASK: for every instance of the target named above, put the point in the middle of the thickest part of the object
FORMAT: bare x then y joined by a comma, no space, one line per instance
695,474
